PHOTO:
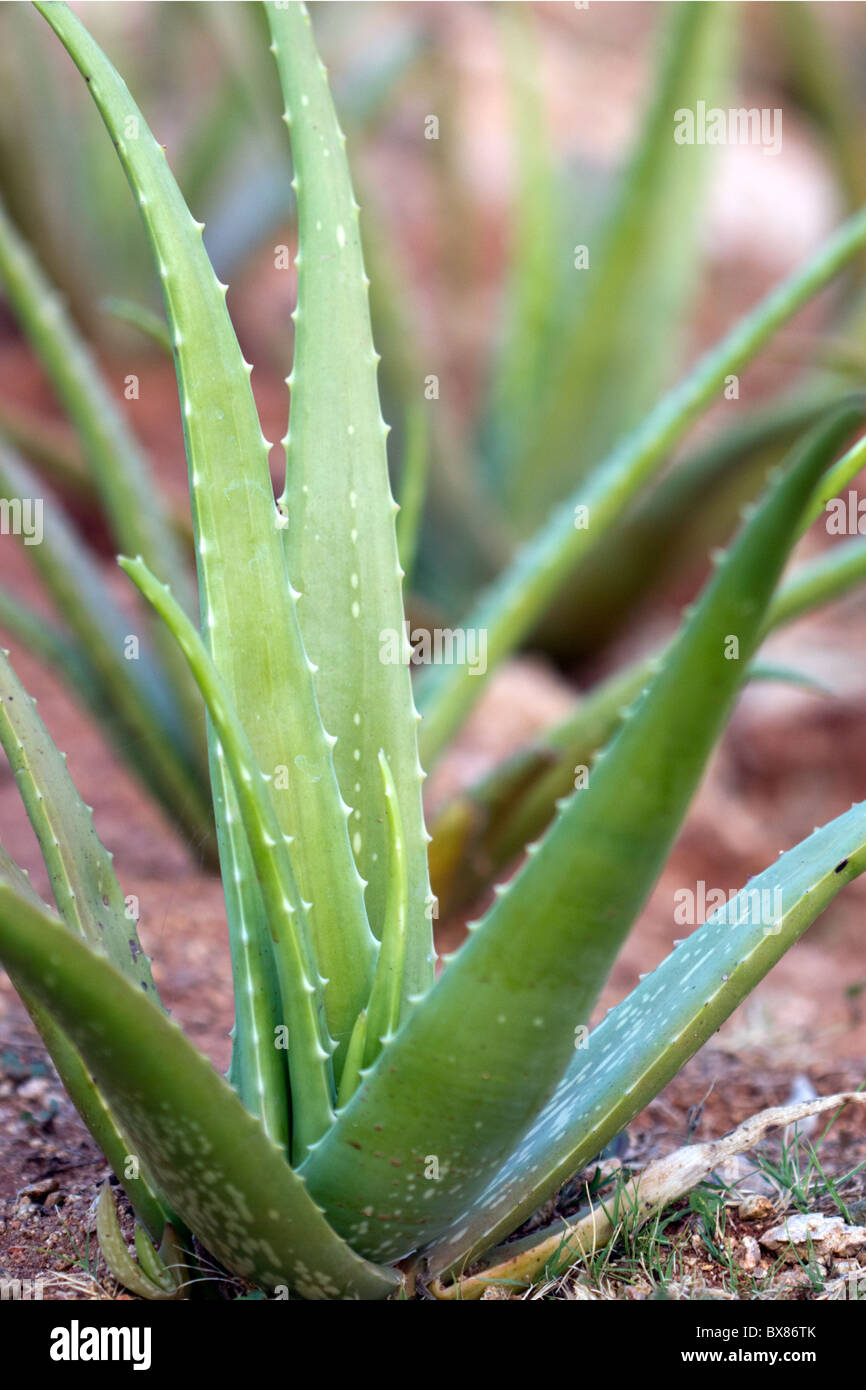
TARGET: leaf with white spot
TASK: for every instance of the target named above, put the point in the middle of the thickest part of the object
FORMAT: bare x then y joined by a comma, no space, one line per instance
642,1043
340,536
219,1170
469,1071
149,1205
299,982
249,614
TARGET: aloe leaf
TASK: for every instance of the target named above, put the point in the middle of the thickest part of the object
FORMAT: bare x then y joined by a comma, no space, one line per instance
152,1263
117,1257
150,1207
309,1048
670,529
59,460
138,518
514,602
85,887
691,509
832,574
469,1071
221,1173
482,830
48,445
257,1070
531,291
47,642
350,1078
413,486
340,537
616,348
788,675
840,475
383,1010
643,1042
138,316
145,722
821,85
42,638
270,683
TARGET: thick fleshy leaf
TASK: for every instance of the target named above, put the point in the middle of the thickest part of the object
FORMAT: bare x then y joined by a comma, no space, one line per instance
220,1171
469,1071
85,887
117,1257
246,597
309,1048
149,1206
340,536
483,830
647,1038
384,1008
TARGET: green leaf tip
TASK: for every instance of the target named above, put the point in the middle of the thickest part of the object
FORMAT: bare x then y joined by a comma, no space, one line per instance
149,1278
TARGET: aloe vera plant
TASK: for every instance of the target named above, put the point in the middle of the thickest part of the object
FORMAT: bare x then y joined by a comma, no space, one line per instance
374,1114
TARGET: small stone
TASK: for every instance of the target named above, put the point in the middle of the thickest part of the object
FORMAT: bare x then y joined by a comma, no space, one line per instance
39,1190
37,1089
755,1207
812,1233
789,1283
751,1257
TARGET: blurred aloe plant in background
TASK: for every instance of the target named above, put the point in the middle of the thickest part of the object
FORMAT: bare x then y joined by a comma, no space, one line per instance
375,1114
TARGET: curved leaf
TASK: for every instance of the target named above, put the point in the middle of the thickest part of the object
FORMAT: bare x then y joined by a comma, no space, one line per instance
150,1207
646,1039
468,1072
220,1171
